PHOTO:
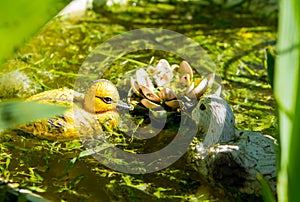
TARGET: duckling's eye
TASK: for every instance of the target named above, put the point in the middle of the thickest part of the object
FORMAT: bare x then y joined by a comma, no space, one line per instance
107,100
202,107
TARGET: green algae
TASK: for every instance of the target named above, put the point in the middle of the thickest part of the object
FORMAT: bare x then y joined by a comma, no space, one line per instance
235,39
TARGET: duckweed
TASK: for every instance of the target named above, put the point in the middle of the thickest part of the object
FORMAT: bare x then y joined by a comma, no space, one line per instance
235,39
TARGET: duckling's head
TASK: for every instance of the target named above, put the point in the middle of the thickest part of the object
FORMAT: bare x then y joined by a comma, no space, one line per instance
101,96
215,119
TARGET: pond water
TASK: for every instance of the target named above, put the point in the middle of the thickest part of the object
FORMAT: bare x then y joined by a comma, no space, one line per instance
234,38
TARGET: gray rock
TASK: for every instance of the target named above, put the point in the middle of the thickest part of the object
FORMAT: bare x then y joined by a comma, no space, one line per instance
227,157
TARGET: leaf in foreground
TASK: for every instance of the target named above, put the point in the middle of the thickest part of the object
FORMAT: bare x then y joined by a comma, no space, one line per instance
20,19
13,113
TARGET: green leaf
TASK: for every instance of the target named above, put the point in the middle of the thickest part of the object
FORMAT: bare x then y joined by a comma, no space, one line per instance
84,153
14,113
267,192
20,19
69,166
287,93
270,63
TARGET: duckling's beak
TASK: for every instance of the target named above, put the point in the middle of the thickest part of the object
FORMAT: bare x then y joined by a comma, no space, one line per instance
124,105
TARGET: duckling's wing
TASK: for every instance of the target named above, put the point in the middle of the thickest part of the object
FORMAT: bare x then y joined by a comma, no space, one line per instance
62,96
74,124
64,126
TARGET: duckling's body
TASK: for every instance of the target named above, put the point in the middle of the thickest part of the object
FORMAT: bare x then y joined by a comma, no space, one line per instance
86,115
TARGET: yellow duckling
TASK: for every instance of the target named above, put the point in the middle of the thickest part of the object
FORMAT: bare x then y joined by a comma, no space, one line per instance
87,114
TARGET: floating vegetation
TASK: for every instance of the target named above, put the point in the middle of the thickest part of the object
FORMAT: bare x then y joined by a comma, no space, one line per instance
16,84
235,39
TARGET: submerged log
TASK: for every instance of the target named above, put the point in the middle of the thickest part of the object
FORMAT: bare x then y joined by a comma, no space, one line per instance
236,163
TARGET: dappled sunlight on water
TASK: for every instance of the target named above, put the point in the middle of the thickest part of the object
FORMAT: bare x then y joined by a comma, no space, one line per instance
235,39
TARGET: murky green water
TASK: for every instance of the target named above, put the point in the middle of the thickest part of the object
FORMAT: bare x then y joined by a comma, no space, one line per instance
234,38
